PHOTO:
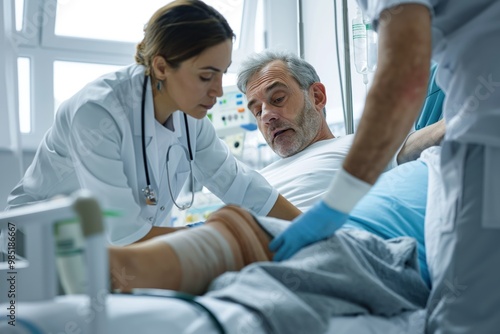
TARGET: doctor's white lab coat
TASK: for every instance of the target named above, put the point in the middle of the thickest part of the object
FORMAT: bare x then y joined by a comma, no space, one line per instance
95,143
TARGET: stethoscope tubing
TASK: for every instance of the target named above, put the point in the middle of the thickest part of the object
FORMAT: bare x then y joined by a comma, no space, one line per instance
148,192
143,129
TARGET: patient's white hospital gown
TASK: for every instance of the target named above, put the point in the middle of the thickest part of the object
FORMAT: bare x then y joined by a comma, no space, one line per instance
304,177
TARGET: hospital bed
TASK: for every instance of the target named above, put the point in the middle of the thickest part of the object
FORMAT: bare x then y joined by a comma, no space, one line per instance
37,308
151,315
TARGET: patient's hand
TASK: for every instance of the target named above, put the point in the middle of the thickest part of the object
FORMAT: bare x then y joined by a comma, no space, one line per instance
318,223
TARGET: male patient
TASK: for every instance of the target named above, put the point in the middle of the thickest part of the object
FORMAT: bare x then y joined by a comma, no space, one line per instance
358,258
288,101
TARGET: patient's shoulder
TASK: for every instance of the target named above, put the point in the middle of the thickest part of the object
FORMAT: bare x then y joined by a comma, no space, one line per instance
335,146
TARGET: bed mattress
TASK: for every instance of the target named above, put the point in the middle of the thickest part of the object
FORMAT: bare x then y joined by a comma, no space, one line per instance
151,315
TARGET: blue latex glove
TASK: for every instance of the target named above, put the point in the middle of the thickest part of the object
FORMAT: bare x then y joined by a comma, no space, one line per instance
320,222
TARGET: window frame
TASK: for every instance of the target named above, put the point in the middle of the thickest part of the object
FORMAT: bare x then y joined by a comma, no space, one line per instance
38,42
50,40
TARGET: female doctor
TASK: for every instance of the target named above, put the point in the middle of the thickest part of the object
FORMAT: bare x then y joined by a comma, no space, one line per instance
133,137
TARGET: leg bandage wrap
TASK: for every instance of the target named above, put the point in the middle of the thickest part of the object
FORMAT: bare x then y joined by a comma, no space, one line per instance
229,240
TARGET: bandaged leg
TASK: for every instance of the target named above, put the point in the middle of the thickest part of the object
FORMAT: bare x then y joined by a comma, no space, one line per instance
189,260
230,240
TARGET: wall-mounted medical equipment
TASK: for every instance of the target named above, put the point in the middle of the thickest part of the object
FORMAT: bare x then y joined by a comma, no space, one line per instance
232,120
230,114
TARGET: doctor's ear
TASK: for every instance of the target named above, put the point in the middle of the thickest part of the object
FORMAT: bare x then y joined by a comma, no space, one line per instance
160,68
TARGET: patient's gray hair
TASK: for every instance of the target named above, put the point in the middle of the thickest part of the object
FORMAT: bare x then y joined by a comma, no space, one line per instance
303,72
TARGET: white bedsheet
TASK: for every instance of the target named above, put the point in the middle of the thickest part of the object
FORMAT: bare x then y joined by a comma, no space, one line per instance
151,315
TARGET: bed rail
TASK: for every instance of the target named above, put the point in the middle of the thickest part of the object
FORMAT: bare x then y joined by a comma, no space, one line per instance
34,277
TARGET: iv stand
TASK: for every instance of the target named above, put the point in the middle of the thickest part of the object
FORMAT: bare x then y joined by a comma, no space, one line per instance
348,114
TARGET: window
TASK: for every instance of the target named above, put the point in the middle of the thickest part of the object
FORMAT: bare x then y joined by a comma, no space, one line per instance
24,88
72,18
232,10
70,77
64,44
19,8
112,20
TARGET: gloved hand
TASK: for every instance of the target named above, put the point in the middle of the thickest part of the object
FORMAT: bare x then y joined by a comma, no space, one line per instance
320,222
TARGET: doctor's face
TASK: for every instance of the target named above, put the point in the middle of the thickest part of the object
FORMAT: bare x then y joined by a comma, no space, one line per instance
285,114
194,86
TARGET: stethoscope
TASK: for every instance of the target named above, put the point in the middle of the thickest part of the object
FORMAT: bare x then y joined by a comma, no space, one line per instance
149,193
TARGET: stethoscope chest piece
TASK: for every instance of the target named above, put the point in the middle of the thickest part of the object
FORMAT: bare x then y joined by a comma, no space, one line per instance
150,195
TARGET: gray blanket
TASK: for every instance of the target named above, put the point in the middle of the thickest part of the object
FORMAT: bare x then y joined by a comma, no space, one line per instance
354,272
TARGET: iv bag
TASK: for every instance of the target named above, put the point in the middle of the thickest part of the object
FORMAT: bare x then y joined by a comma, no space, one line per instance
371,46
359,43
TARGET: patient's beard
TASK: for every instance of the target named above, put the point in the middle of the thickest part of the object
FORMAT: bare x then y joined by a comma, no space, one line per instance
306,126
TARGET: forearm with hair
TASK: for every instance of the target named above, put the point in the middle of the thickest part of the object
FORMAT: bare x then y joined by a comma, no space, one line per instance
397,93
421,139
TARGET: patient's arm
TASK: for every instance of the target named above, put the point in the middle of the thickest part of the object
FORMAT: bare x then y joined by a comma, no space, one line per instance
188,260
419,140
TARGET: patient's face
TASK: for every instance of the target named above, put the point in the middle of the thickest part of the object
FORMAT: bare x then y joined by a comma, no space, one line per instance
285,114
